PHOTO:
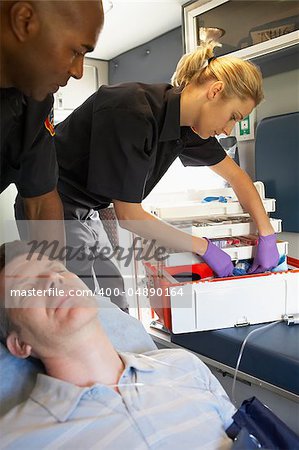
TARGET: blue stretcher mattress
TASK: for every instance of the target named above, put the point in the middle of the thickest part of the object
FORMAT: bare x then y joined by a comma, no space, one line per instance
271,355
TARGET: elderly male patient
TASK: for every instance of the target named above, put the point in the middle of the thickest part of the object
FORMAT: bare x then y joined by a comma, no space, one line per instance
91,396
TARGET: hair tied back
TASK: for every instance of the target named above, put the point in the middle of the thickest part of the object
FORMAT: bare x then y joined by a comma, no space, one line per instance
211,59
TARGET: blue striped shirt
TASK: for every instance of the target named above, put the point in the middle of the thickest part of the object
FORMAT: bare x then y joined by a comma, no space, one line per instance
168,400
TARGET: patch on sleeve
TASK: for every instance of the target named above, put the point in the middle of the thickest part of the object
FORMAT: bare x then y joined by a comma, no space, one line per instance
49,123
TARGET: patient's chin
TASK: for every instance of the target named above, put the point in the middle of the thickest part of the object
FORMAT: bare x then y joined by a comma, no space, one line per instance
70,320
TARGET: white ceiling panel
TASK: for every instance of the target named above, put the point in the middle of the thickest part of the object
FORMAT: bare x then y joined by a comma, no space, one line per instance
133,22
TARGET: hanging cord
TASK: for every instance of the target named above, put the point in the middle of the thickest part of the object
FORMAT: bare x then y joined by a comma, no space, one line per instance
174,383
178,382
269,325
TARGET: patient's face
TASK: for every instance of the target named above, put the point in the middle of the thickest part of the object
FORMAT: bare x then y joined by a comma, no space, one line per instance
45,300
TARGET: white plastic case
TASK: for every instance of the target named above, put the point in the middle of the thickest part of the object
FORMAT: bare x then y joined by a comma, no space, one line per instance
233,302
223,303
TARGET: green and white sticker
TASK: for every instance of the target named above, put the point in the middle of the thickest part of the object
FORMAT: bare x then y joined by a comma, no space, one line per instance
244,126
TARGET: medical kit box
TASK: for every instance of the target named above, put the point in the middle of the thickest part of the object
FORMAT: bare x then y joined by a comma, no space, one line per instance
183,292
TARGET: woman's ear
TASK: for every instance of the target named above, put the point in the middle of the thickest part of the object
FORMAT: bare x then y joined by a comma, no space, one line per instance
17,347
215,90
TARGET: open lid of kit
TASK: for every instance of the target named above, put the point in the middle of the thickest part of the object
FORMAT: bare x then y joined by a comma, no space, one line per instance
204,204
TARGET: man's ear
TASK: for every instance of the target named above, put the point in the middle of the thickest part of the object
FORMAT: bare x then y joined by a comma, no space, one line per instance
215,90
24,20
17,347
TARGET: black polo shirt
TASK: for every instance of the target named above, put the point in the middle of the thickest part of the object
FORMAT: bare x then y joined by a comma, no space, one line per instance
122,140
27,152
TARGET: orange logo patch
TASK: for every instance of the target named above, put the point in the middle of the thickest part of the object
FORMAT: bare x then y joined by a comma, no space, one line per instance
49,123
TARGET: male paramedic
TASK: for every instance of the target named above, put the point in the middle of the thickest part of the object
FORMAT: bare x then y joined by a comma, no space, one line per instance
92,396
43,44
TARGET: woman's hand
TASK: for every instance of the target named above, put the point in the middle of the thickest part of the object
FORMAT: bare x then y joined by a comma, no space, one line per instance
267,255
246,193
218,260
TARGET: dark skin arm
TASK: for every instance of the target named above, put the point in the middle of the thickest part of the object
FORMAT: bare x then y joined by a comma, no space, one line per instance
49,208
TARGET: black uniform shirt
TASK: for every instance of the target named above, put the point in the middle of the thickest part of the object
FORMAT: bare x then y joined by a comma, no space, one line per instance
122,140
27,152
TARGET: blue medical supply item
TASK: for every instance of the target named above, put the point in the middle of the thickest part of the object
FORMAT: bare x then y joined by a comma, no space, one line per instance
282,265
258,426
242,266
220,199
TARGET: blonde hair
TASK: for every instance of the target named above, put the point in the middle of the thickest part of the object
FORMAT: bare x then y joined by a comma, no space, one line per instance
241,78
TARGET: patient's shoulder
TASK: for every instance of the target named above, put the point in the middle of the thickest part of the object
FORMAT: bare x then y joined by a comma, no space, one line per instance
178,358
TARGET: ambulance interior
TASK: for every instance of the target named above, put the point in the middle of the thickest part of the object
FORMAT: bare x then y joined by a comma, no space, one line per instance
179,301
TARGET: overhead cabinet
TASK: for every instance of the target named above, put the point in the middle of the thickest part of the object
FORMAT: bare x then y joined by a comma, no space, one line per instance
248,29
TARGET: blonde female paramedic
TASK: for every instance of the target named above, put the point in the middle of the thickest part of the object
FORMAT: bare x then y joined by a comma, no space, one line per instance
121,141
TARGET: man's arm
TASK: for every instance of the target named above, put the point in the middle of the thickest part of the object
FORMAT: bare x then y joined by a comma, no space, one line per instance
49,208
246,193
44,207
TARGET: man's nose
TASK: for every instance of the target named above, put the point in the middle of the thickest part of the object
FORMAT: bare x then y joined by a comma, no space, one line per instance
51,279
76,69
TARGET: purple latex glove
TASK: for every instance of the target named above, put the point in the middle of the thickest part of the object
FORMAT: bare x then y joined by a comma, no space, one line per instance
218,260
267,255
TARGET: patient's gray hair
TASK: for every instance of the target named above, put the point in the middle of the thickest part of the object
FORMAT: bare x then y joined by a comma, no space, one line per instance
8,252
